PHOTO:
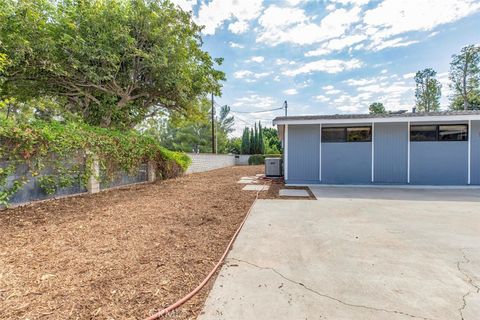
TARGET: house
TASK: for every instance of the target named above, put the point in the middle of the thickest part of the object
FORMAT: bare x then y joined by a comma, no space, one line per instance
433,148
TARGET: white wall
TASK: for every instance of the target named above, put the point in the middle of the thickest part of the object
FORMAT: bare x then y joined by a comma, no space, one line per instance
205,162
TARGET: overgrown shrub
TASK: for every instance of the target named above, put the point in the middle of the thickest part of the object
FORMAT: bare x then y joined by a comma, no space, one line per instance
256,159
52,145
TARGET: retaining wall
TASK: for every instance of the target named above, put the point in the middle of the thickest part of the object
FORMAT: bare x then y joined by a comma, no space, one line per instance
202,162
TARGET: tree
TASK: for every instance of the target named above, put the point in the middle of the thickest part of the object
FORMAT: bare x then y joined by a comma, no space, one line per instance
427,91
273,145
114,62
377,108
234,145
465,79
245,149
261,142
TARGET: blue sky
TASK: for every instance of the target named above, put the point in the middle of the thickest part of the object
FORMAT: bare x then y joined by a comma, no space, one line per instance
330,56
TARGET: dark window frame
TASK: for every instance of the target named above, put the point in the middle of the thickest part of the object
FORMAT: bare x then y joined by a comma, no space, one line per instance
437,132
345,134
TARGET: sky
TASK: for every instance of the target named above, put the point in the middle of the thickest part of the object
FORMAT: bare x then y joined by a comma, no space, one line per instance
330,56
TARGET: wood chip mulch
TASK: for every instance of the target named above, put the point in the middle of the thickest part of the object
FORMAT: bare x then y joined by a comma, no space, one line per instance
120,254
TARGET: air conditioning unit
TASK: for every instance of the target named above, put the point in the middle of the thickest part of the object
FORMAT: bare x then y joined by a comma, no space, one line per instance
273,167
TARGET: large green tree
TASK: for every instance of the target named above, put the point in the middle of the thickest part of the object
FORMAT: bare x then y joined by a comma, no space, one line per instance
427,91
465,79
114,62
377,108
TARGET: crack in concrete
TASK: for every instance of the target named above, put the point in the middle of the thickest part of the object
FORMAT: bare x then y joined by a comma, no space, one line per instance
330,297
469,281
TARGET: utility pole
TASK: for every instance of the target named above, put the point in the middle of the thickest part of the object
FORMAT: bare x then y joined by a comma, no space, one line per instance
286,107
214,149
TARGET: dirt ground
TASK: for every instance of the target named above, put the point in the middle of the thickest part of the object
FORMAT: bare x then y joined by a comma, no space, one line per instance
120,254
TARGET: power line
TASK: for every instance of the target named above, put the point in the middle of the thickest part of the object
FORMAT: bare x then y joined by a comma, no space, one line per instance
263,111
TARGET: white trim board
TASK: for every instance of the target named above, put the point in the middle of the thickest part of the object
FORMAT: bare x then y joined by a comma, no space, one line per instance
380,120
285,154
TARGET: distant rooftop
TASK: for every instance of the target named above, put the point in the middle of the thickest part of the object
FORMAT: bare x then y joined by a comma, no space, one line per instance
376,116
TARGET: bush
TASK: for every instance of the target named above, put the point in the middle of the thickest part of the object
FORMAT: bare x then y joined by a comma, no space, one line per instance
41,145
256,159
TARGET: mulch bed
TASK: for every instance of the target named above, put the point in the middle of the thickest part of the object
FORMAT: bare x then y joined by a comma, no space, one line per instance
120,254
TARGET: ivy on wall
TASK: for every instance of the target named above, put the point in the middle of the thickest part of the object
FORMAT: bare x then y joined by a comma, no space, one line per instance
60,154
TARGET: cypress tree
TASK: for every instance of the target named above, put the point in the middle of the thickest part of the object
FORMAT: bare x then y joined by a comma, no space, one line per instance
260,139
252,142
245,148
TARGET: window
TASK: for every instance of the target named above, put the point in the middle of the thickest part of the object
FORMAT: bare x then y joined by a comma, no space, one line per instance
447,132
359,134
333,135
347,134
452,132
423,133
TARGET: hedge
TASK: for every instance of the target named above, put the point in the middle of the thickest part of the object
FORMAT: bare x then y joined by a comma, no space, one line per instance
42,145
257,159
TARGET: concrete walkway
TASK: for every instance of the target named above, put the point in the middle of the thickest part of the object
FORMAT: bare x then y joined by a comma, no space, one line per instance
347,256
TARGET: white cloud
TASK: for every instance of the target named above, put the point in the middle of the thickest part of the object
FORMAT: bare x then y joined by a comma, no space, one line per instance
250,76
321,98
393,17
282,61
349,109
212,15
333,91
256,101
329,87
360,82
291,92
238,27
408,75
186,5
282,25
257,59
323,65
384,71
236,45
336,45
393,43
350,2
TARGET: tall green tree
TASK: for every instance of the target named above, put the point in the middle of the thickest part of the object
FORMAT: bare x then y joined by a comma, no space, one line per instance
377,108
114,62
245,149
261,142
427,90
252,141
465,79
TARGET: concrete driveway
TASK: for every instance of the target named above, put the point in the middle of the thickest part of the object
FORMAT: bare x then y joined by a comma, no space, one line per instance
355,254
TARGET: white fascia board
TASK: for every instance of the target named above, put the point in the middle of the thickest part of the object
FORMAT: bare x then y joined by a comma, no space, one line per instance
380,120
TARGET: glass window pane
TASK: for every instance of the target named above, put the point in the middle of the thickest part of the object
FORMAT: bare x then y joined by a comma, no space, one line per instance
453,132
423,133
333,134
360,134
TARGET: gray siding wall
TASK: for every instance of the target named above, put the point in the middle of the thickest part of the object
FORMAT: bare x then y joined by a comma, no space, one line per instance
391,152
439,163
475,153
346,162
303,153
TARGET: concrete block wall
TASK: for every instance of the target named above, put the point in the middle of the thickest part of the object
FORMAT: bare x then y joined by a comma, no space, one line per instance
241,159
202,162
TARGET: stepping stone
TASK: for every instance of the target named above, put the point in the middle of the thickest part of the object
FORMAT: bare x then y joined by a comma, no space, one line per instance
246,181
259,175
293,193
252,187
248,178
